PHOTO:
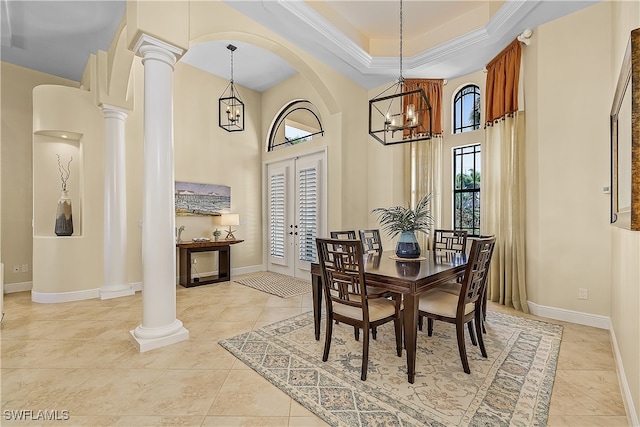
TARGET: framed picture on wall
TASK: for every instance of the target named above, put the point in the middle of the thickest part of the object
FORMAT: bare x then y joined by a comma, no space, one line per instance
193,199
625,140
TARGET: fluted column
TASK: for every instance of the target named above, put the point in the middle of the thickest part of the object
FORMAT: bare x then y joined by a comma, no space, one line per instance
159,324
115,206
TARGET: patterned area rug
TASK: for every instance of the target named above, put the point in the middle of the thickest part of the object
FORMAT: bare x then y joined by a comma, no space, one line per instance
276,284
512,387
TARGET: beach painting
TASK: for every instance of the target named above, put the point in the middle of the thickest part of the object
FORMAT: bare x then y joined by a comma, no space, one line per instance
194,199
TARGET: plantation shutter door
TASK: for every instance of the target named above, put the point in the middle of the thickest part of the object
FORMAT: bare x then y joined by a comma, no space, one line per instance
278,215
307,184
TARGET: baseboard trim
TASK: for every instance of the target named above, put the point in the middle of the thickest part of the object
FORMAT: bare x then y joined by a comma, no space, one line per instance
246,270
10,288
632,415
50,298
595,320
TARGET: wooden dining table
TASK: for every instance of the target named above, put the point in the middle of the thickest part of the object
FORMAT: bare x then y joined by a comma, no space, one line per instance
409,278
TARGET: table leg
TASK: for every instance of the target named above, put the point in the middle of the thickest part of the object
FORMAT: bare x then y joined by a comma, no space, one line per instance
411,333
316,289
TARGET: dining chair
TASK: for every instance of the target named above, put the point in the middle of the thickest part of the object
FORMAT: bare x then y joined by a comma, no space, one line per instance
346,297
447,243
466,306
351,234
371,241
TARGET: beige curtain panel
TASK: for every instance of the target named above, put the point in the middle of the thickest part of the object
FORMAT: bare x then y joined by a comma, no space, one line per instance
503,78
503,187
425,157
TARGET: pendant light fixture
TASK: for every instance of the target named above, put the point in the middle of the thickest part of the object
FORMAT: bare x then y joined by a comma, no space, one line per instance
230,106
400,114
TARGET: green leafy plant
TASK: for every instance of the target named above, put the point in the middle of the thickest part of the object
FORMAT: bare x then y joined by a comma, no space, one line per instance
396,219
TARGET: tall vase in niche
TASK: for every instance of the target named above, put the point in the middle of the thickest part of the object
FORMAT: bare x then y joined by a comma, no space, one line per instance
407,246
64,217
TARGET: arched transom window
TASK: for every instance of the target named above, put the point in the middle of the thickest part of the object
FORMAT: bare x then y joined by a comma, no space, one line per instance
466,109
298,122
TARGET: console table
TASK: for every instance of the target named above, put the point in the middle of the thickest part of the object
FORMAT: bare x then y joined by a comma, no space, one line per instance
223,247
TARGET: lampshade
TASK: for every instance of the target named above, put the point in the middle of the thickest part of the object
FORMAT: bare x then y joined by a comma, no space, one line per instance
230,219
230,106
400,114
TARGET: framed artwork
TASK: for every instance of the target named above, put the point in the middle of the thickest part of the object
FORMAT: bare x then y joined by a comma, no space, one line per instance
193,199
625,140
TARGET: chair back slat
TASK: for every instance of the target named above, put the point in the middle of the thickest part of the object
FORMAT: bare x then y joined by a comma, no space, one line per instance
344,234
475,275
449,241
371,241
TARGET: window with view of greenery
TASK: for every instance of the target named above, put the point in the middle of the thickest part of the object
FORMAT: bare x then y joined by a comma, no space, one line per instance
466,189
466,109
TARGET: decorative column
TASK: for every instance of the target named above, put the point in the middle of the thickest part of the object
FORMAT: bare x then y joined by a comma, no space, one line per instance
159,326
115,206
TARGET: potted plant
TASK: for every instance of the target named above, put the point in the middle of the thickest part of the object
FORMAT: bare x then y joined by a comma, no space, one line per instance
216,234
406,221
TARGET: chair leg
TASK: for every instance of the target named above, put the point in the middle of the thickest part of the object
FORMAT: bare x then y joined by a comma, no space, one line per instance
327,340
429,326
356,333
365,354
420,322
472,334
478,322
461,347
484,309
374,333
398,326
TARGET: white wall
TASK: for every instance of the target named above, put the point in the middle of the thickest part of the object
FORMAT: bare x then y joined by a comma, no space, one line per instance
567,106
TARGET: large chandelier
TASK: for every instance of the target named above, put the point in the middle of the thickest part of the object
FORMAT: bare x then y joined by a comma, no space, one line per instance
400,114
230,106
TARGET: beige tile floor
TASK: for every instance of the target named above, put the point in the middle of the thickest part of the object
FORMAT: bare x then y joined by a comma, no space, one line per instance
77,357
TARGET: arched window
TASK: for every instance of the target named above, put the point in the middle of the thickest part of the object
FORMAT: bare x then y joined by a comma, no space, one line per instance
298,122
466,109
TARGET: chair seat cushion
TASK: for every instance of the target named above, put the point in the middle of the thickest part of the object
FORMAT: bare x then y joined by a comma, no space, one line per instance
379,308
442,303
450,288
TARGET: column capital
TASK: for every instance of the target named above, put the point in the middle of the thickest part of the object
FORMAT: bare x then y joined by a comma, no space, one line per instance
150,47
113,112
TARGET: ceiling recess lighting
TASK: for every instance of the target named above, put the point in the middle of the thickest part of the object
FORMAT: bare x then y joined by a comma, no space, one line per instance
230,106
400,114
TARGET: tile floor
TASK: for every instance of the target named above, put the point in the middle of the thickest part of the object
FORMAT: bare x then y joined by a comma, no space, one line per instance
77,357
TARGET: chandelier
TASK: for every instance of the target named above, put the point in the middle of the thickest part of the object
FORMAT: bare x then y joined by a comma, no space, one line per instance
230,106
400,113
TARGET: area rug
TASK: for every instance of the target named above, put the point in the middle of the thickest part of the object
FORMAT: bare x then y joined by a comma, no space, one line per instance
276,284
512,387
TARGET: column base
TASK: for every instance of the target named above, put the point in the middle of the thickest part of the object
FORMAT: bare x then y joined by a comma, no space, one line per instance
147,344
110,292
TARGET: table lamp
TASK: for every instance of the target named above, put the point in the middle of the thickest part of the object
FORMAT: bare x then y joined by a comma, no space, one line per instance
230,219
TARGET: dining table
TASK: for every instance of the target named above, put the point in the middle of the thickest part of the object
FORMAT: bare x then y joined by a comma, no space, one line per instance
407,277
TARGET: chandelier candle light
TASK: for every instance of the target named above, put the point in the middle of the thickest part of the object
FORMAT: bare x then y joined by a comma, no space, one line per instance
230,106
400,114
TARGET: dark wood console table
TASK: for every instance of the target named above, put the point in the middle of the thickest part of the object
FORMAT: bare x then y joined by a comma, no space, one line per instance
223,247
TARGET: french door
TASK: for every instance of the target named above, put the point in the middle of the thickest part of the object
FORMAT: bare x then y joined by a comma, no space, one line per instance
296,213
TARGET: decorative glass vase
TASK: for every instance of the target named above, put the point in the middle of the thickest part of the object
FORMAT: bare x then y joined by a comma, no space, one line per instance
64,218
407,246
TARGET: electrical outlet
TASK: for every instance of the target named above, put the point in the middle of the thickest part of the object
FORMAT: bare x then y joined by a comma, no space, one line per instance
25,268
583,294
16,269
